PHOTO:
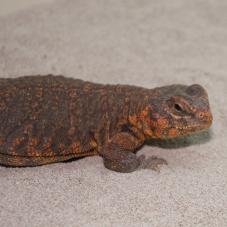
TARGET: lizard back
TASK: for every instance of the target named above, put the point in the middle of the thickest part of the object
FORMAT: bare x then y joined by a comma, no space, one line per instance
46,119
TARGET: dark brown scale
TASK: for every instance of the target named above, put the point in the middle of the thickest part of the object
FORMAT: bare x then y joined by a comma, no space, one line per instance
46,119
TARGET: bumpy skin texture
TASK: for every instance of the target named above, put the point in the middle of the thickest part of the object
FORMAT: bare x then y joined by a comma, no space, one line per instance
47,119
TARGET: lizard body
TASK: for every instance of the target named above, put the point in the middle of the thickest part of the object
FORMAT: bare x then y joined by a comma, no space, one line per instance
47,119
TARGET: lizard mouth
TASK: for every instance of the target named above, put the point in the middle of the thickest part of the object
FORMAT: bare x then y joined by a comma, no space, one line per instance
193,127
197,126
185,130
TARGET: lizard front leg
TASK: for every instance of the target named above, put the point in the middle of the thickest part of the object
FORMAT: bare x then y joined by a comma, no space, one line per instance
118,153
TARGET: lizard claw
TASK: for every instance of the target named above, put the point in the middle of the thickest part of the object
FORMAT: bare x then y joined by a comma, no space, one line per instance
153,163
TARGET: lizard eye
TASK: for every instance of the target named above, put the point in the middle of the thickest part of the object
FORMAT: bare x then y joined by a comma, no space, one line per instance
178,107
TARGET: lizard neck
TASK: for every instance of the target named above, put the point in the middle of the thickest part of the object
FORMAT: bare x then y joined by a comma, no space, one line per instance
140,109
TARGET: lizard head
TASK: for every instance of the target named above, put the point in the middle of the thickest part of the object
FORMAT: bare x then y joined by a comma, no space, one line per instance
176,110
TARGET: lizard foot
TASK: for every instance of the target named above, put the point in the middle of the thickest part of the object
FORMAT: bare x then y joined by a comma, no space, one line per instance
126,164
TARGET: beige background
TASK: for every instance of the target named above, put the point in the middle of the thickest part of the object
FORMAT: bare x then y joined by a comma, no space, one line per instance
10,6
142,42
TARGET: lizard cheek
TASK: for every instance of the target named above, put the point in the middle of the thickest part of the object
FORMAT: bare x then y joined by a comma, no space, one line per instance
173,132
148,132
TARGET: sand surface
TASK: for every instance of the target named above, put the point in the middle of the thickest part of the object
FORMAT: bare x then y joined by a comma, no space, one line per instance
146,43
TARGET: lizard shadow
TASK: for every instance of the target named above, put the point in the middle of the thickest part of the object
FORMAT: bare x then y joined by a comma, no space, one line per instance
73,159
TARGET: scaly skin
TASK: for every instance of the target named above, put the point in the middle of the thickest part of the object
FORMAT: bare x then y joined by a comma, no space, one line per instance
47,119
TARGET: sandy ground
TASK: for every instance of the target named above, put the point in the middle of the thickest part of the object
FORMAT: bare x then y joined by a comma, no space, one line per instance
11,6
146,43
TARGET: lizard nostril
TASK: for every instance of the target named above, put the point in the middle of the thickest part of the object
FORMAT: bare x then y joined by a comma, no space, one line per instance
206,117
201,115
